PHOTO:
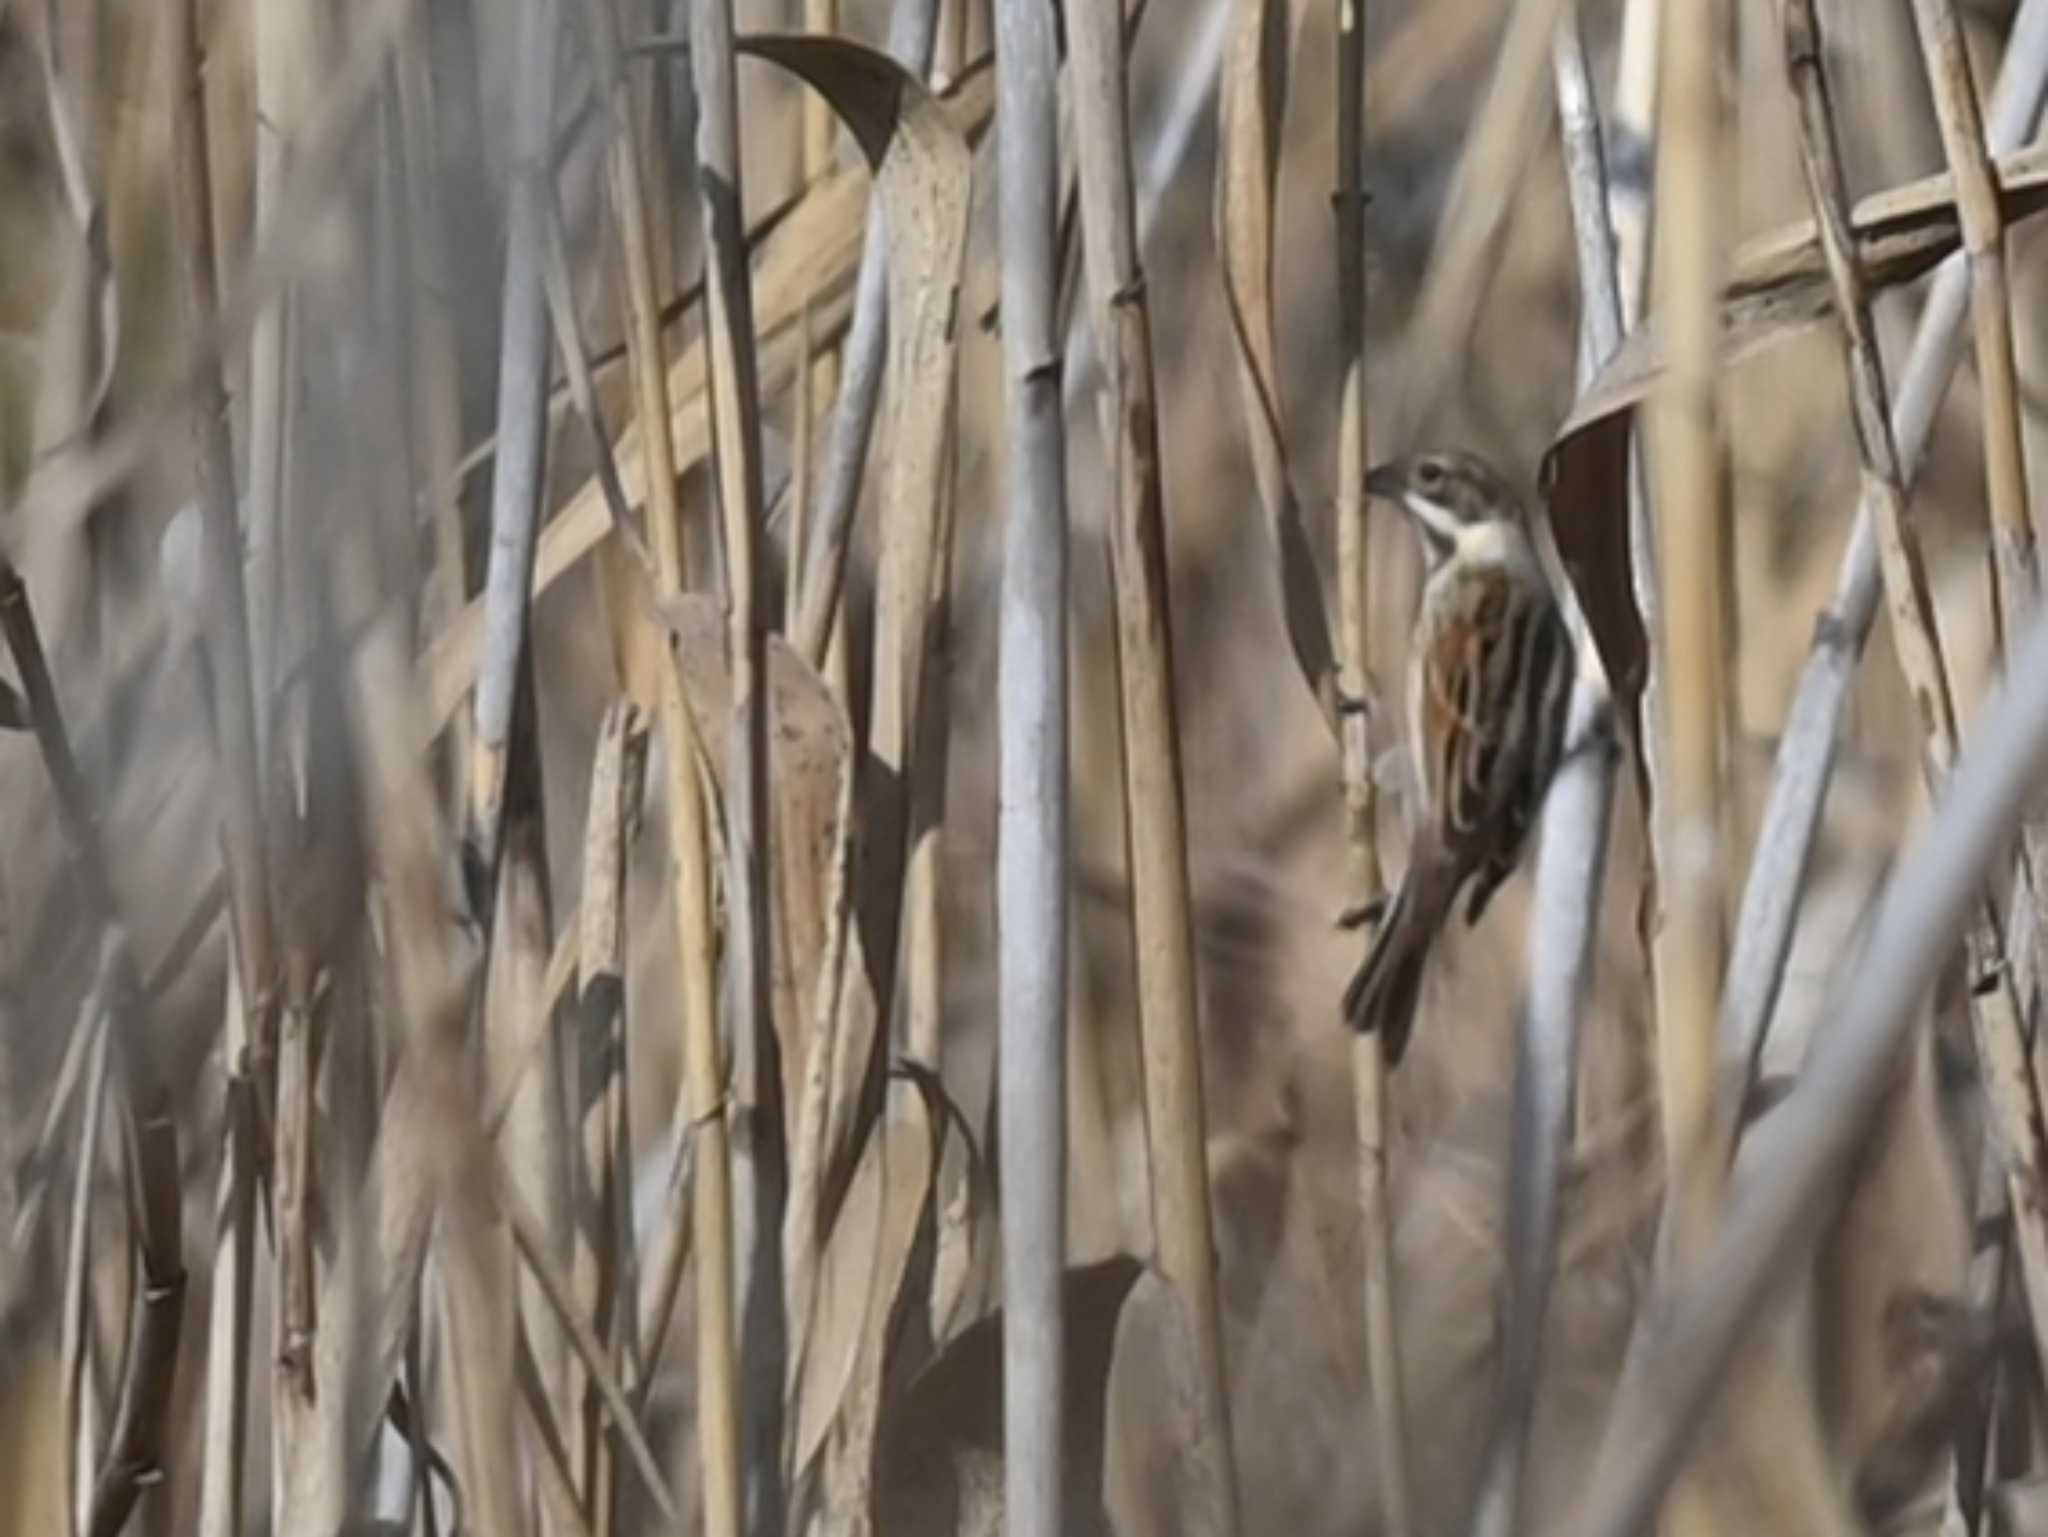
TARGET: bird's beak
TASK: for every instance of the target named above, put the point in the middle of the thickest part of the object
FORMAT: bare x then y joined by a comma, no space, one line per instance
1384,481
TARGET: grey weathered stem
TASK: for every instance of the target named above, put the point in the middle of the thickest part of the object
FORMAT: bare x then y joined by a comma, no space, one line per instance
517,485
1032,856
1570,872
1806,753
913,29
1875,1003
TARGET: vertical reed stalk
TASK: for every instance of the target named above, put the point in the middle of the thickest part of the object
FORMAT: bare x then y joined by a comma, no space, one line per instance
1570,871
1686,471
1033,859
1154,796
1361,820
702,1114
736,462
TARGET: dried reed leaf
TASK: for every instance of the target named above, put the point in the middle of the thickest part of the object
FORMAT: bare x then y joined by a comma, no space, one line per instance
842,1345
921,160
1779,286
812,755
1779,282
938,1459
1253,96
808,257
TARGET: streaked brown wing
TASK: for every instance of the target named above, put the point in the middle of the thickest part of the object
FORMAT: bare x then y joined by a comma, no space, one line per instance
1485,626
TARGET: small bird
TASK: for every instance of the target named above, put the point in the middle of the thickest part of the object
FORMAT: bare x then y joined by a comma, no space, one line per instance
1490,675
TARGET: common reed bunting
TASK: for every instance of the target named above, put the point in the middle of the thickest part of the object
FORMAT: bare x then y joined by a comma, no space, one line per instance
1490,674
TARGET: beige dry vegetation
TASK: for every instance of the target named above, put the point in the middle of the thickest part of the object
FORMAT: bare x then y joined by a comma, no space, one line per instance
458,1159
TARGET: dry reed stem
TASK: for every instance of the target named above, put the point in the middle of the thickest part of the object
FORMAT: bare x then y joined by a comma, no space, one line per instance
601,1271
1994,1011
1686,463
518,476
924,989
1350,202
1962,135
133,1458
1569,874
1495,159
1686,467
1812,725
1798,1178
227,616
84,1417
1033,856
531,1239
760,1157
283,44
82,473
435,364
702,1112
1154,793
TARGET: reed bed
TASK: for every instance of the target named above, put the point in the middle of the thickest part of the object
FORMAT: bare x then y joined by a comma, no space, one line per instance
702,708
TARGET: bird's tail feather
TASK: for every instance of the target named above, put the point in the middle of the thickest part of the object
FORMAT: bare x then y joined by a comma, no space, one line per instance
1387,987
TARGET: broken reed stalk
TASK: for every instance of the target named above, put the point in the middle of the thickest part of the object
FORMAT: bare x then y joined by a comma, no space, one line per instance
761,1161
1877,999
1785,838
518,472
133,1457
1995,1010
1683,426
1154,795
701,1115
1350,202
1569,875
1033,859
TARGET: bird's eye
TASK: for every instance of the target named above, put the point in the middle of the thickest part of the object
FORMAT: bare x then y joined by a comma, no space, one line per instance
1430,473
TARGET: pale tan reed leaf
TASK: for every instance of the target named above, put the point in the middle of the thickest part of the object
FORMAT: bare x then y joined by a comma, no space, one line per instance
811,756
1777,286
1778,283
1253,97
844,1340
808,258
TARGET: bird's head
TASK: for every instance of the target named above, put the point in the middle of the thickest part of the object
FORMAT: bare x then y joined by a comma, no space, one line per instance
1444,492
